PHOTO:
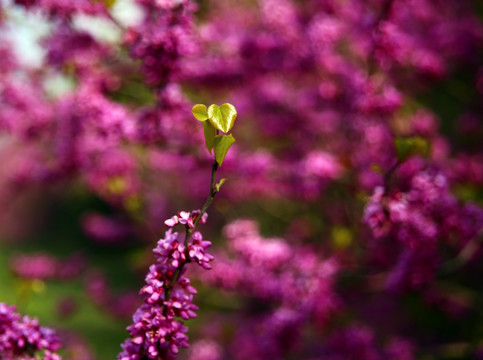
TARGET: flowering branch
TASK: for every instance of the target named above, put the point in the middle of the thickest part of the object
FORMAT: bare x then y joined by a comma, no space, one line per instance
190,229
156,332
23,338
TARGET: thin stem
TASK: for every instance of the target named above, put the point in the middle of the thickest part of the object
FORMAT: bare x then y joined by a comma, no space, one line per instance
464,256
388,175
189,231
114,21
211,196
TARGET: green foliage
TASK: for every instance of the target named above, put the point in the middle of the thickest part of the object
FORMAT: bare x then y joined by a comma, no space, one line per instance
341,237
221,146
199,112
410,146
209,131
219,185
109,3
222,117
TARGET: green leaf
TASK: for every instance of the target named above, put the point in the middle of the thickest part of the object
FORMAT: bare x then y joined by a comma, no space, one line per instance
410,146
221,146
109,3
218,186
209,131
222,117
341,237
199,112
376,168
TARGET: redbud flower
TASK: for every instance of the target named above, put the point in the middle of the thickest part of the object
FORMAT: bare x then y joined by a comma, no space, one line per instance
23,337
157,331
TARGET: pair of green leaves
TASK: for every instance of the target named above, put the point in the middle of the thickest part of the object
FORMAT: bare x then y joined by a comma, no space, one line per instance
220,118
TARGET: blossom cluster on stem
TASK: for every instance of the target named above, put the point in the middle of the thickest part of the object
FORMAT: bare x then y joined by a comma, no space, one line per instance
21,337
157,331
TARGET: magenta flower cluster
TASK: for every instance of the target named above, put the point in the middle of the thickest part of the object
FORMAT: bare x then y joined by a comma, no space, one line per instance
162,39
44,266
296,285
419,219
21,337
157,331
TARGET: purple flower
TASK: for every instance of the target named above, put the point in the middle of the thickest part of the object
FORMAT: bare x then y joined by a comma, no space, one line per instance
44,266
157,331
21,337
197,250
205,350
186,218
